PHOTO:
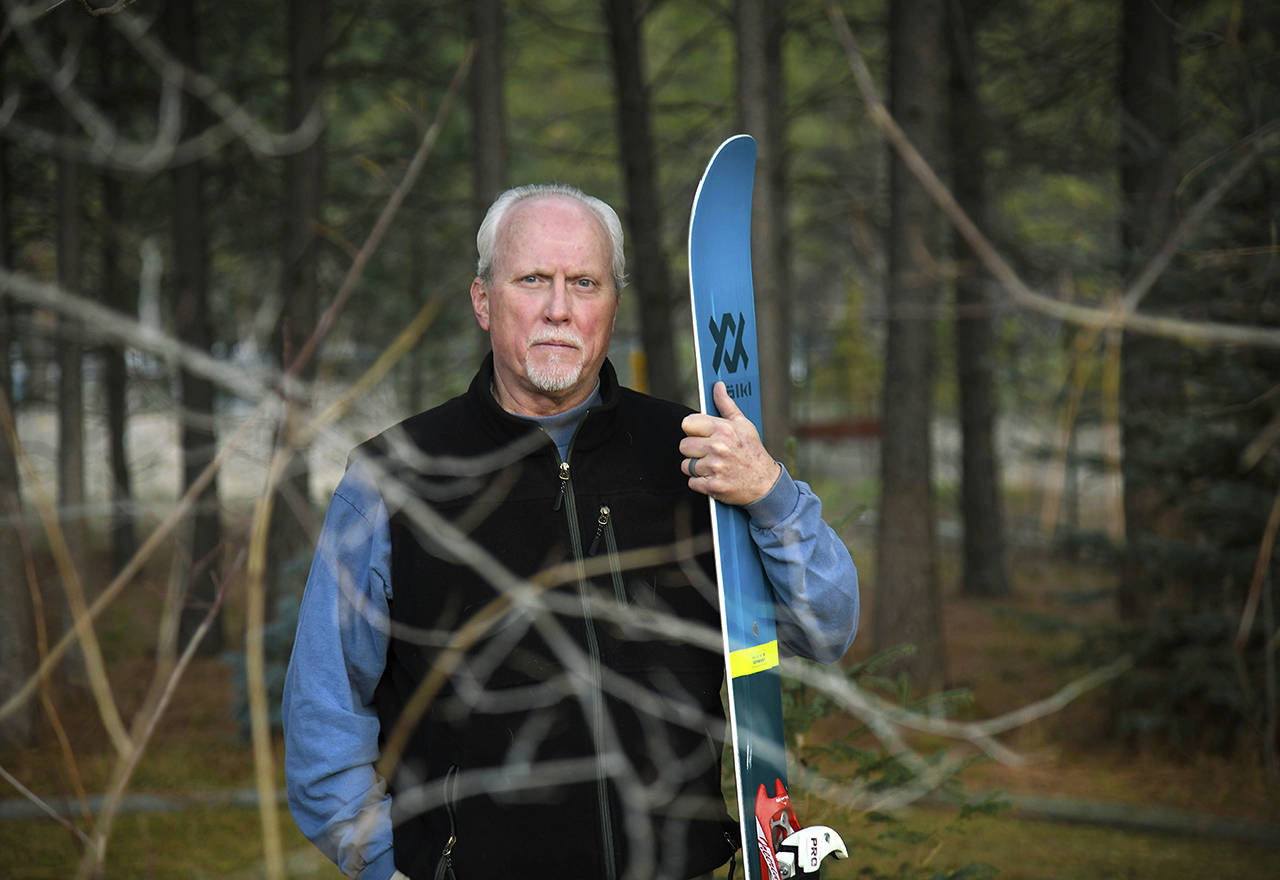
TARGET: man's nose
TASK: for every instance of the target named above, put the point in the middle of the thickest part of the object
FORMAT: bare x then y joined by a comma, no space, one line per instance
558,303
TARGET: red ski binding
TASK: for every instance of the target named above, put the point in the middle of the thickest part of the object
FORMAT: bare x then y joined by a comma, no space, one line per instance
786,849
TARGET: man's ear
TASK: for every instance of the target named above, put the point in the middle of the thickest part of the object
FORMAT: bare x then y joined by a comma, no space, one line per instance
480,303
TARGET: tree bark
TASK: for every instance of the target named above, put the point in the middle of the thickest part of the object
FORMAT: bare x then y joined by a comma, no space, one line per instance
985,569
488,118
908,603
652,277
292,517
119,295
71,482
1150,380
488,106
17,630
760,25
190,279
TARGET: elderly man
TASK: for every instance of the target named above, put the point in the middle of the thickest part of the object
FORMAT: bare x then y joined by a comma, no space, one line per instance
489,678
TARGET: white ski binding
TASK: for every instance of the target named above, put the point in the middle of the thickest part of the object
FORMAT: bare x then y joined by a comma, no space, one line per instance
801,854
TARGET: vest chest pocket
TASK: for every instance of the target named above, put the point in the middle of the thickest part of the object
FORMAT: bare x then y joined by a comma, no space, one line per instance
605,540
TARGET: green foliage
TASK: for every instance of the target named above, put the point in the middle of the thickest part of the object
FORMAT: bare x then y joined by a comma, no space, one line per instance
1190,687
857,758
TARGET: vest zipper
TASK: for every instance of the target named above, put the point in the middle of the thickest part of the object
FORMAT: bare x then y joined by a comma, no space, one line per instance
564,485
444,867
604,529
569,502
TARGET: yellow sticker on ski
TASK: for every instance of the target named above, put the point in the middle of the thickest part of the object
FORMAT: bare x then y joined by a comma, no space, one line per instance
757,658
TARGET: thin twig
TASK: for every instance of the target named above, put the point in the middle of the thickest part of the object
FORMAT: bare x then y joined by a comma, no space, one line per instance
45,808
1260,567
356,271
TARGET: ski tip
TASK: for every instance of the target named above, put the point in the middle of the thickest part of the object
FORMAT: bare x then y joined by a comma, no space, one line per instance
733,161
737,143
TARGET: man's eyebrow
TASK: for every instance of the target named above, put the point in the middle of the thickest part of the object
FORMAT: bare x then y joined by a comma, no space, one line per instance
576,272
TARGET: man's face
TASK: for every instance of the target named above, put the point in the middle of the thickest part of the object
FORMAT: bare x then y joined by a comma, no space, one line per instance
550,306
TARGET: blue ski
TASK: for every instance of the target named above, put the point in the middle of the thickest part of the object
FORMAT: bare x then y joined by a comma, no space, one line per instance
774,846
725,338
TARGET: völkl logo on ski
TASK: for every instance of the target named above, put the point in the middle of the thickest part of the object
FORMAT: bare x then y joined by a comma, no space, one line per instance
737,357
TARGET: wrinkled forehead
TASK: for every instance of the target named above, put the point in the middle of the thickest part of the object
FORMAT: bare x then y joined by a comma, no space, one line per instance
552,220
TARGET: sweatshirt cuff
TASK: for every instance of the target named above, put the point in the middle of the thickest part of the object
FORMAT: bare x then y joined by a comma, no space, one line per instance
381,868
777,504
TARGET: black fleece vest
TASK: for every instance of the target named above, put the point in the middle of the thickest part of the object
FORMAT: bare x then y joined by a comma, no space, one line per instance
520,756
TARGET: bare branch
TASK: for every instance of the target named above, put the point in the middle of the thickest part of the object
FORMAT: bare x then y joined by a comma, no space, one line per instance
162,532
885,719
164,688
82,630
105,146
114,9
102,322
1119,317
1257,583
44,807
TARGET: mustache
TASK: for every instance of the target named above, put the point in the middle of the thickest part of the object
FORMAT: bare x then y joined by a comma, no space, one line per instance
560,337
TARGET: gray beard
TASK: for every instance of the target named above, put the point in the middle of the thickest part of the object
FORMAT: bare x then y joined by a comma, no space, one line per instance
555,377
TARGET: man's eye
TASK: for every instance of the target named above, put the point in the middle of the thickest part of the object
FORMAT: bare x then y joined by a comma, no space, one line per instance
585,283
529,279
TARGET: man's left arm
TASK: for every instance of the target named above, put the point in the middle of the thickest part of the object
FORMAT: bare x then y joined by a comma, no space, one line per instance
815,583
814,580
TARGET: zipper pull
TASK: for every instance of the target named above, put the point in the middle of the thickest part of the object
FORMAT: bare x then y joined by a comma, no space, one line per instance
601,523
564,484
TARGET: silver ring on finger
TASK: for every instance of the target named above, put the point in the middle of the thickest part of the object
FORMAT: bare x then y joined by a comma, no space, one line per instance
693,471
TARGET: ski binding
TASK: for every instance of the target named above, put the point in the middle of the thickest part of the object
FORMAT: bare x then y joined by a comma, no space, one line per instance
786,849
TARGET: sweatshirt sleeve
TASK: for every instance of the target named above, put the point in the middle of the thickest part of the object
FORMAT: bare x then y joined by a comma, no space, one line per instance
330,724
815,582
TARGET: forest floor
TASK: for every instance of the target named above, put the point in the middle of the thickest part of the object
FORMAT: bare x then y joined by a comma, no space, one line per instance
994,648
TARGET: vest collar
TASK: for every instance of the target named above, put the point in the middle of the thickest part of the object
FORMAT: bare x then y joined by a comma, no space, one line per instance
503,427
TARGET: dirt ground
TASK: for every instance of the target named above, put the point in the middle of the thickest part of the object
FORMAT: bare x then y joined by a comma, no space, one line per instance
996,649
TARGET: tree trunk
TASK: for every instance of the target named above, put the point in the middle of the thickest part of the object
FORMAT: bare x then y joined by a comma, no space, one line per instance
192,325
1151,386
488,118
985,571
761,24
17,630
71,483
122,297
652,277
908,601
291,514
488,106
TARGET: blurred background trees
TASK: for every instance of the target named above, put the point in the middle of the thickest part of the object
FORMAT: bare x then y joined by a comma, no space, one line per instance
210,172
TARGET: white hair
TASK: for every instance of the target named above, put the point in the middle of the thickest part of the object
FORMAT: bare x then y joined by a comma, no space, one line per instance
487,235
